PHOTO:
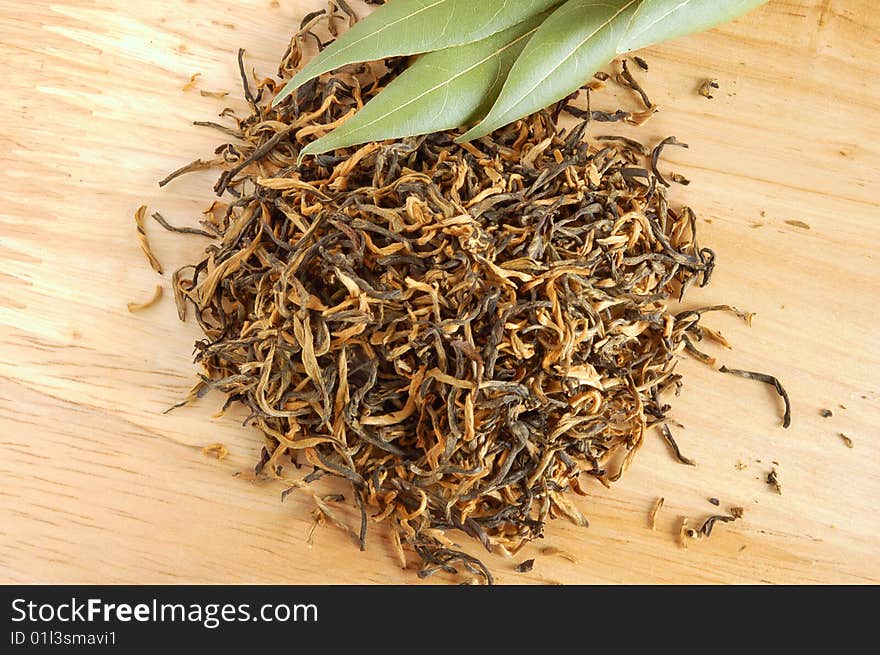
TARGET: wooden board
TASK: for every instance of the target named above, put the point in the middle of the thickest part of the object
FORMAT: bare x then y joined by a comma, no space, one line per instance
98,485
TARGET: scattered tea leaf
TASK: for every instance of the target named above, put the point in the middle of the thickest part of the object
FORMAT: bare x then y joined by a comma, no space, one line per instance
652,517
667,435
549,551
684,533
709,523
140,306
526,566
773,480
218,450
189,86
219,95
800,224
139,216
766,379
706,88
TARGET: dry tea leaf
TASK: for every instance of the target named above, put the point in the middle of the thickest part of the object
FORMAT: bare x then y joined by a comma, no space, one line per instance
526,566
218,450
652,517
139,216
766,379
140,306
773,480
189,86
670,440
684,533
549,551
707,87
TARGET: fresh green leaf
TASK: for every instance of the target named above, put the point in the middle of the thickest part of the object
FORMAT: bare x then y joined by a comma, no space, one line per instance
408,27
441,90
571,45
583,35
661,20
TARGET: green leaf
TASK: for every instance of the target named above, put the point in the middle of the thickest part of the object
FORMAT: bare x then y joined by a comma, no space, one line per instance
408,27
571,45
584,35
661,20
440,91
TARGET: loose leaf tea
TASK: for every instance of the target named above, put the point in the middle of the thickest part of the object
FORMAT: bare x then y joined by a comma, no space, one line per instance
773,481
147,249
652,517
766,379
706,88
553,550
218,450
457,331
140,306
667,436
709,523
526,566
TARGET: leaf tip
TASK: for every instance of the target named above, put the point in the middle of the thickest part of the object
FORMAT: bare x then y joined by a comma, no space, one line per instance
314,148
282,96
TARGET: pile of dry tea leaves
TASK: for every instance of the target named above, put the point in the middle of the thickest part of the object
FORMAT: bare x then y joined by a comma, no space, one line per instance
457,331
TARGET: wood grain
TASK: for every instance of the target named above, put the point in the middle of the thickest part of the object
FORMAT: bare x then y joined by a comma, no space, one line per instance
99,486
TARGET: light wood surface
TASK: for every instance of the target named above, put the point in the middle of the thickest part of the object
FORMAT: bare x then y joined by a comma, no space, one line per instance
98,485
